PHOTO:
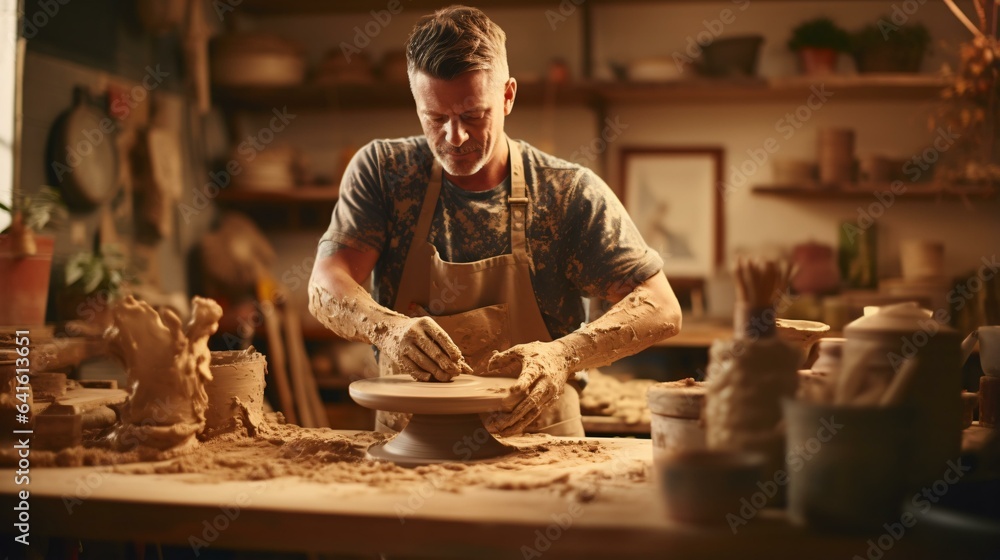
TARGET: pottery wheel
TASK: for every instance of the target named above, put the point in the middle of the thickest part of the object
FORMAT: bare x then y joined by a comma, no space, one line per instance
445,426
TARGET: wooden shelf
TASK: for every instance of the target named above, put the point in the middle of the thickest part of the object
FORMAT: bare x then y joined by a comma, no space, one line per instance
375,95
900,87
932,191
293,7
291,195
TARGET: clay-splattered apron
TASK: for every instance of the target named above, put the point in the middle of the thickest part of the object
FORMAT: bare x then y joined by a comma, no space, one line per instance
484,305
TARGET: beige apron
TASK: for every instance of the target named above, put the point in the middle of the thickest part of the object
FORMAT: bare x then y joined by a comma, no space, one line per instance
484,305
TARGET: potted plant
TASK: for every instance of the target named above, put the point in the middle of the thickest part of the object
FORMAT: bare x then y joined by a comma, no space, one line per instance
884,47
818,43
94,281
26,257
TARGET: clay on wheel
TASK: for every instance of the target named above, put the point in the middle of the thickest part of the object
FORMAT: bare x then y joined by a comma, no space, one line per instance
465,394
445,425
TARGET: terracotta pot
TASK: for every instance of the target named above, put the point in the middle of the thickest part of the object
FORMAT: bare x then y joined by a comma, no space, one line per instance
816,270
24,282
817,62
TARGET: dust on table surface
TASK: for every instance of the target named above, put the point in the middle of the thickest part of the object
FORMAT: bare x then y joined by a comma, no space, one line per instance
576,469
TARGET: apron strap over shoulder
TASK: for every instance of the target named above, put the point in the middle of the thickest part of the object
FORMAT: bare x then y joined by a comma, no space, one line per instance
518,201
423,228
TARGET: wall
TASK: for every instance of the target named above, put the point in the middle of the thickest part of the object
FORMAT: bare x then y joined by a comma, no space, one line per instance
623,32
94,44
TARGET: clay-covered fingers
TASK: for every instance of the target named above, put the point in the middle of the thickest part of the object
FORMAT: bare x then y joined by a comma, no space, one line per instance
434,352
525,403
521,388
419,367
504,364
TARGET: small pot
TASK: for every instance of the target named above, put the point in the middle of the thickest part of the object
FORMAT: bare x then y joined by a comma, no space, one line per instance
705,486
675,415
24,282
732,57
846,472
817,62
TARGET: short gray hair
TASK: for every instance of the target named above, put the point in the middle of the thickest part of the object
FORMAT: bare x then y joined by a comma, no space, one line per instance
455,40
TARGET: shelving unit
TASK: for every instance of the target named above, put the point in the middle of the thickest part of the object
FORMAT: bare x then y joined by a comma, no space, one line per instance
306,207
391,95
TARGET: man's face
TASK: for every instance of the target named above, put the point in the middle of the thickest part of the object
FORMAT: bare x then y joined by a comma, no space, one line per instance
462,118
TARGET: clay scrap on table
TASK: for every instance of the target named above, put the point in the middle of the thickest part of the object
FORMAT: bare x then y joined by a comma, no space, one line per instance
607,395
167,365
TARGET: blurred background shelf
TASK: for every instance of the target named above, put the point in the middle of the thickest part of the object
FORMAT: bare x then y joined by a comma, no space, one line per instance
299,7
695,90
291,195
294,208
860,192
375,95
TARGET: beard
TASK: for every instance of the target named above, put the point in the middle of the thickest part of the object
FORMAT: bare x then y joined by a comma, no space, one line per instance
467,160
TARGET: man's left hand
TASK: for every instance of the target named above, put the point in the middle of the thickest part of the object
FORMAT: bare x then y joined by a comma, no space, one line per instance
541,371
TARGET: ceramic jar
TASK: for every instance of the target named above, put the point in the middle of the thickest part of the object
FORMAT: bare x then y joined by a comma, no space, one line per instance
830,351
904,355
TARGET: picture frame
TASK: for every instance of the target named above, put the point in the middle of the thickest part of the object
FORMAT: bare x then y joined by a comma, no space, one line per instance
674,197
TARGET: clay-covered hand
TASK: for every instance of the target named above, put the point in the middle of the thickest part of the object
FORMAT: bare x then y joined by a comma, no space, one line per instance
541,373
419,347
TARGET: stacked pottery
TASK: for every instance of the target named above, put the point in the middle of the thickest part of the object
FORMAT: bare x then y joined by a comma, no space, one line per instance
836,156
675,415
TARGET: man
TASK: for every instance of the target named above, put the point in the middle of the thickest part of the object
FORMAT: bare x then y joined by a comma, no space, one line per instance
482,246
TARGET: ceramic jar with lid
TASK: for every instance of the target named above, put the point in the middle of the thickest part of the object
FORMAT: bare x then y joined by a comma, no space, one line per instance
675,415
906,355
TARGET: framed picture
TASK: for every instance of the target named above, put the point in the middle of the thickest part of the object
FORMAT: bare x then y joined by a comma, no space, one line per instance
673,196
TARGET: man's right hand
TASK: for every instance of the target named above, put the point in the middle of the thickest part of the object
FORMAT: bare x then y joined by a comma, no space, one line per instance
419,347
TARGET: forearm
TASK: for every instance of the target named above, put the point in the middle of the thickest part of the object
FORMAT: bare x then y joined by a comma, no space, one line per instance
339,302
646,315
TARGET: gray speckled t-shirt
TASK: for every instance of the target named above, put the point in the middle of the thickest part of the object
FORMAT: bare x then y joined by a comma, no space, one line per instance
580,239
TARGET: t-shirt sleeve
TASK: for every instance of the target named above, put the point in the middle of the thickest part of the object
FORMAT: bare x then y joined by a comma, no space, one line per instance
607,254
360,217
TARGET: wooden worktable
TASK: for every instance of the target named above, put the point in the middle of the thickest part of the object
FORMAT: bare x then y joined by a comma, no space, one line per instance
293,514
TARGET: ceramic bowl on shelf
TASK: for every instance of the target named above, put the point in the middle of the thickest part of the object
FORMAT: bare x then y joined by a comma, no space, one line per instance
654,69
732,56
801,333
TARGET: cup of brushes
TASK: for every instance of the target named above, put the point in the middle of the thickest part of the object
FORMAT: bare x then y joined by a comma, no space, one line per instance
749,375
